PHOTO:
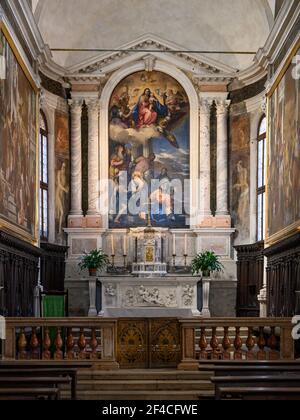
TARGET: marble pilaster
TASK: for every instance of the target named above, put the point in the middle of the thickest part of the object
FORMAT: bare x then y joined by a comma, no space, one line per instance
205,159
76,161
222,158
93,162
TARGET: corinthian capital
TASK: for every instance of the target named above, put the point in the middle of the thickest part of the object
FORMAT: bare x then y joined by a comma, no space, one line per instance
205,105
92,105
222,106
75,105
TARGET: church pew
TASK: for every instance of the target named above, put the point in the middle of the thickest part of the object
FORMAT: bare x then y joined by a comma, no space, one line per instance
29,393
33,382
45,372
260,393
252,370
254,382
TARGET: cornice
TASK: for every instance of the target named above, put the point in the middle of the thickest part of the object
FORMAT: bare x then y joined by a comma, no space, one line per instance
150,42
206,69
52,101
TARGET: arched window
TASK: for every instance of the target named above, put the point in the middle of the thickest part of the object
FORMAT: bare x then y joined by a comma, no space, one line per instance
261,178
43,158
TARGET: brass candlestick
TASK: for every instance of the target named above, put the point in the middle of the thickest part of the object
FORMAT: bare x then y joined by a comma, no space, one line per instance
113,261
125,262
174,263
185,262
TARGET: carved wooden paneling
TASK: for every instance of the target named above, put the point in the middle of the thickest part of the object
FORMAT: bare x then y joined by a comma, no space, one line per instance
283,277
250,278
18,276
53,267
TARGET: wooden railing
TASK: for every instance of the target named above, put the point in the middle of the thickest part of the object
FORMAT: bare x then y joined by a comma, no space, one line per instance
96,340
83,339
235,339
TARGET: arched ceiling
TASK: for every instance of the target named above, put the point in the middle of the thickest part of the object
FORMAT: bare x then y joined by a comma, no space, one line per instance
222,25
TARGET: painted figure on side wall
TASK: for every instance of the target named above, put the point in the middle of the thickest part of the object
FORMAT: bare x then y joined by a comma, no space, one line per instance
149,149
240,176
62,156
284,154
17,144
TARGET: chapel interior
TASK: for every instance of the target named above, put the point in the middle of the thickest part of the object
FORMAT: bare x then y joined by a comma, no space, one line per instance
150,136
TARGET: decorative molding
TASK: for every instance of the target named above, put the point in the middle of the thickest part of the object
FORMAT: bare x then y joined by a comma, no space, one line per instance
52,101
149,63
195,63
17,244
258,103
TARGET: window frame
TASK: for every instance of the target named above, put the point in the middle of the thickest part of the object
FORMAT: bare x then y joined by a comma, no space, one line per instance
43,186
261,189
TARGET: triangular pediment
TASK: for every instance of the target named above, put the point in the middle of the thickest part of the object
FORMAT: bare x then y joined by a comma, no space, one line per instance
150,47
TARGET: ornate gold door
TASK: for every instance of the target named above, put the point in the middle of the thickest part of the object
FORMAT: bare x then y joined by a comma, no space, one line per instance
148,343
164,344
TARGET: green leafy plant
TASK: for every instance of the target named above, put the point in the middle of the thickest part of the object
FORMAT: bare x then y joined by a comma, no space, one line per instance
94,260
207,262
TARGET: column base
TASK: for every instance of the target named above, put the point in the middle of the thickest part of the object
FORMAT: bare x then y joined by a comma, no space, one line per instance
75,221
223,220
93,221
219,221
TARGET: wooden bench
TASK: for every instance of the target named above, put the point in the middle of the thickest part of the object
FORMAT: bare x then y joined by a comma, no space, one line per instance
260,393
44,369
254,382
252,369
45,373
29,393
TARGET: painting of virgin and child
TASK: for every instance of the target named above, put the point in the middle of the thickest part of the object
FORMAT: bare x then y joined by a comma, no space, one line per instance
149,152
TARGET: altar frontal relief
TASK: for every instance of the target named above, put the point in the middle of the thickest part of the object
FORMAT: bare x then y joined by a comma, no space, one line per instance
18,139
149,150
284,154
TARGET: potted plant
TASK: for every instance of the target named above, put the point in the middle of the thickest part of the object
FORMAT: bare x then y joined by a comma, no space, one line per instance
206,263
94,261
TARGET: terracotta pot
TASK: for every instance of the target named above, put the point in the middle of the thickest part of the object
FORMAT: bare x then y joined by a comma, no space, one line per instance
93,272
206,274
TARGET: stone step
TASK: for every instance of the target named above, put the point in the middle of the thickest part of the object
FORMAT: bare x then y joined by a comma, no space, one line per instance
149,385
141,395
142,385
134,375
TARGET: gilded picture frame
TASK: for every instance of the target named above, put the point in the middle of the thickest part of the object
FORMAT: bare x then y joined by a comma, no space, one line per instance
6,224
273,237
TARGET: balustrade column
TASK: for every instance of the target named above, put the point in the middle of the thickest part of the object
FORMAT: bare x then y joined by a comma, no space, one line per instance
205,158
76,158
222,157
93,157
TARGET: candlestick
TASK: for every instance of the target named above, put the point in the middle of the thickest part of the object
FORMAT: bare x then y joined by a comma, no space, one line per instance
113,260
125,245
125,263
174,263
185,261
112,245
174,244
185,244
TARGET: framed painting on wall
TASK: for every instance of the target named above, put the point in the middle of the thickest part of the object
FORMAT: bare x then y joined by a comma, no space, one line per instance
18,144
149,152
283,178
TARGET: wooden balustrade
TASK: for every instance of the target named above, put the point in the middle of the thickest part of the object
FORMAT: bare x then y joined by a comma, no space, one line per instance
95,339
235,339
61,340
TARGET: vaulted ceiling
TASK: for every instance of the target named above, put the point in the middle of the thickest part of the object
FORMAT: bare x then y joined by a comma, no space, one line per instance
219,25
